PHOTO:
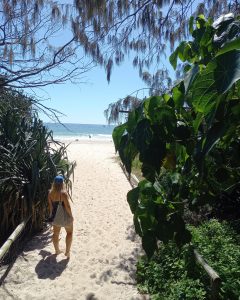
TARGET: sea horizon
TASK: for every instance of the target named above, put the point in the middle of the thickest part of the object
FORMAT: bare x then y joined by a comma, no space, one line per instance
77,131
79,123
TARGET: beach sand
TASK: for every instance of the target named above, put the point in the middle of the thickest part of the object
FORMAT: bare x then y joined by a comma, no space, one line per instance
105,247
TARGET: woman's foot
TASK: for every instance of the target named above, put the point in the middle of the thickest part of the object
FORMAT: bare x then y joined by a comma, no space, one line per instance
67,254
58,252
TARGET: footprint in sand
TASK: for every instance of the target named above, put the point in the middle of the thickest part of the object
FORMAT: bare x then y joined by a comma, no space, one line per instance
91,296
93,275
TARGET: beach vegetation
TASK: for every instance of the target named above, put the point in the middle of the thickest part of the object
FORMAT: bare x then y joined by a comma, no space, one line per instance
173,273
188,139
30,159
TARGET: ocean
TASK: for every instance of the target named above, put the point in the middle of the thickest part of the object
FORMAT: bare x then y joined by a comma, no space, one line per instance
74,132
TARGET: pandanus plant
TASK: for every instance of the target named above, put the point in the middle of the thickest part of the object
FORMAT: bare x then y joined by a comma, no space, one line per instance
29,160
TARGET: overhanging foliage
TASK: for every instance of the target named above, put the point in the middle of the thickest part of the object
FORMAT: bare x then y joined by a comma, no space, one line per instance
188,140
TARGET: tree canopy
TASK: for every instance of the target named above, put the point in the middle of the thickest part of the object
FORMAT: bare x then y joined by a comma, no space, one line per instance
37,45
115,28
143,30
44,42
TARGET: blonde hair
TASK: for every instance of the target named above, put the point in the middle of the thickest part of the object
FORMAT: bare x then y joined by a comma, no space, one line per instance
57,187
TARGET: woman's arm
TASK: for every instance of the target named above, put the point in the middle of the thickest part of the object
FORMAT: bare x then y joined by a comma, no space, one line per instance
67,204
50,206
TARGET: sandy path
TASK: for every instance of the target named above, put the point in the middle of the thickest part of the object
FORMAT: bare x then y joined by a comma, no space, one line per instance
104,248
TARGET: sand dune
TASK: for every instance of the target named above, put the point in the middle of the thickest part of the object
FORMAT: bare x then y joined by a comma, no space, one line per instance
104,250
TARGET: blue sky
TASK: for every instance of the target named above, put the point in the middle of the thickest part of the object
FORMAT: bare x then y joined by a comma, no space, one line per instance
84,103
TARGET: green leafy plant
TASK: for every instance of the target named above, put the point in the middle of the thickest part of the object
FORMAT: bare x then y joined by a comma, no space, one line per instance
29,161
173,273
188,139
170,274
219,245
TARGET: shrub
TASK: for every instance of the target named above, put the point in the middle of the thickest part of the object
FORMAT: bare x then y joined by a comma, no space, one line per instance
172,273
219,245
167,274
29,160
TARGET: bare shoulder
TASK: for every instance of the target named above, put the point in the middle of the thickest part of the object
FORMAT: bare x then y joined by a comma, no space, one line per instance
64,194
49,194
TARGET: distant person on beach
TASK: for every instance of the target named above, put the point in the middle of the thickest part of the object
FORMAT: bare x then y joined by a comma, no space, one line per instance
59,196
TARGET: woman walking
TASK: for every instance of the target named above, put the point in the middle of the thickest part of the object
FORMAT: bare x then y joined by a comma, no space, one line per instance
58,199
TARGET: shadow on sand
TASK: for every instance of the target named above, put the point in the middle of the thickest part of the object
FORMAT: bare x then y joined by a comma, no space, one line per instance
127,265
39,241
21,246
49,267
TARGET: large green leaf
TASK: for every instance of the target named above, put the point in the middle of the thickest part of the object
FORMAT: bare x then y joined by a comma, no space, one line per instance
127,152
213,136
151,105
184,51
190,76
117,134
217,78
142,135
173,59
160,114
204,90
178,93
152,158
227,71
232,45
132,198
133,119
137,225
147,219
147,194
149,243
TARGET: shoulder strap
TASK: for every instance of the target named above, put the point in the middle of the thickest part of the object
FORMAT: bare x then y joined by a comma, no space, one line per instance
60,197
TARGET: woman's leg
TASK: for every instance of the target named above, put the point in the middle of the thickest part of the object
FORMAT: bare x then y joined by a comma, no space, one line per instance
55,238
69,235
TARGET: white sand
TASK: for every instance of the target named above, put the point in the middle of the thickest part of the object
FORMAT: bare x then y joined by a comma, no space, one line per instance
105,248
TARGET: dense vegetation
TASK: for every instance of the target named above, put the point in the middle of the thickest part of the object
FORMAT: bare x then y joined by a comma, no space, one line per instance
174,274
29,161
188,143
188,139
